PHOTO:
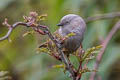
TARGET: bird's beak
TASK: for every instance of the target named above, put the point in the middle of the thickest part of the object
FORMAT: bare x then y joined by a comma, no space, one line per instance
59,24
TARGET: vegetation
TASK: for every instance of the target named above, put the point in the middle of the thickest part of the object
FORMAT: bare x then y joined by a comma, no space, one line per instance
18,58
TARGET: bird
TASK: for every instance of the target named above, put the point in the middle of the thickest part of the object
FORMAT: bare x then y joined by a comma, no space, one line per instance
71,23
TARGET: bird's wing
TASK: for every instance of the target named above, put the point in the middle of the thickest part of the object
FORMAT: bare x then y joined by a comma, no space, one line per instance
49,43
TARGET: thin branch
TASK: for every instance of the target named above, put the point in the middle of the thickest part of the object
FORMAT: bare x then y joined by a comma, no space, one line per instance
103,16
11,28
29,23
7,35
105,43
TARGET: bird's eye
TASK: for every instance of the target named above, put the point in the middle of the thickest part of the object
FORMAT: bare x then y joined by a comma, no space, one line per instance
67,22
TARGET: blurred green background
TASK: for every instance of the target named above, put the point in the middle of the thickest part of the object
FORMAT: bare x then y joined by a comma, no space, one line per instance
19,57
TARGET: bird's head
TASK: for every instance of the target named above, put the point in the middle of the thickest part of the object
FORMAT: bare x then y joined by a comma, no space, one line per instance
69,19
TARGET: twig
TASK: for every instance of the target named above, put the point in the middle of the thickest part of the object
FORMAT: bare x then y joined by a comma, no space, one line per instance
79,68
11,29
103,16
104,44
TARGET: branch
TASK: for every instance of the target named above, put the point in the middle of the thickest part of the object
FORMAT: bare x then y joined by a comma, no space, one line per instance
31,22
59,49
104,44
103,16
11,27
